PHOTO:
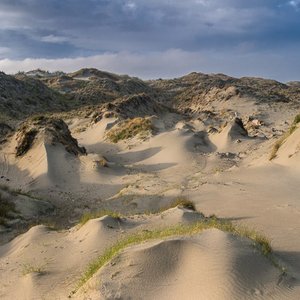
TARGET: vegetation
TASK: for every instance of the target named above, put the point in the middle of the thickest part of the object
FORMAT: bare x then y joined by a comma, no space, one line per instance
6,208
28,269
297,119
98,214
259,241
281,141
25,143
130,128
181,202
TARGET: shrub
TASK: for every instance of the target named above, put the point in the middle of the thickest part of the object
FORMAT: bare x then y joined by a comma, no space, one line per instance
6,208
130,128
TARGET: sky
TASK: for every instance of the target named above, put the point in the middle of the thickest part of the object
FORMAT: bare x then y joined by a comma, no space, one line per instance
153,38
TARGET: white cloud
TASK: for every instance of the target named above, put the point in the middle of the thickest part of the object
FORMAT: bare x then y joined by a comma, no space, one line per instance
294,3
130,5
54,39
172,63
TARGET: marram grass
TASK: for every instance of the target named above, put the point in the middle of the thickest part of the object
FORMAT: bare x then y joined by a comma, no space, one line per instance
282,140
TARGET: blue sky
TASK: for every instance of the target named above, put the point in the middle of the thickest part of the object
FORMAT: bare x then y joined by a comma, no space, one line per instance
153,38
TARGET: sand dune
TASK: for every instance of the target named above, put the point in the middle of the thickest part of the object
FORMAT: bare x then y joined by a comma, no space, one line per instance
48,264
212,265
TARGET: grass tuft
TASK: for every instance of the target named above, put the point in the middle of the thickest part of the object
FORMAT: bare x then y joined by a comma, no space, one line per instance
282,140
29,269
181,202
297,119
130,128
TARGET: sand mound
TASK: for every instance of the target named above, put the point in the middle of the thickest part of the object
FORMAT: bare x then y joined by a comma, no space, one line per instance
211,265
179,215
234,131
52,131
45,149
20,243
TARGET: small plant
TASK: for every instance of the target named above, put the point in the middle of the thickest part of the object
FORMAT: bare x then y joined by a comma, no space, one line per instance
98,214
130,128
29,269
297,119
4,187
26,142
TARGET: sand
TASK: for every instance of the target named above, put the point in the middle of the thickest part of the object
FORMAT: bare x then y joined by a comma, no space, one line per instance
225,172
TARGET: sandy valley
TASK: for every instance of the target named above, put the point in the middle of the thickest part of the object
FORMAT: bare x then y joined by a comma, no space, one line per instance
118,188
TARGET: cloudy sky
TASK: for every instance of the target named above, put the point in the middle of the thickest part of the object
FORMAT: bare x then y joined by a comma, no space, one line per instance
153,38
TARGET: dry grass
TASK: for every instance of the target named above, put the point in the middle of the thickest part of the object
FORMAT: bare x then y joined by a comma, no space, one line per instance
29,269
282,139
140,127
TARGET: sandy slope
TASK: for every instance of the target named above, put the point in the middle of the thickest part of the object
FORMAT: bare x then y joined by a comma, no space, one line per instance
211,265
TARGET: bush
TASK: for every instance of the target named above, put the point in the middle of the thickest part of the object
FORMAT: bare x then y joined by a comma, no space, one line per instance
6,208
130,128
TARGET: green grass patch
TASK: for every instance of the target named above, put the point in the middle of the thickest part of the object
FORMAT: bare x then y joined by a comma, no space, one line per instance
259,241
130,128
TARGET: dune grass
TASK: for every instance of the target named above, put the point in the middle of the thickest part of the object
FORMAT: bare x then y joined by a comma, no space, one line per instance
282,139
130,128
29,269
181,202
259,241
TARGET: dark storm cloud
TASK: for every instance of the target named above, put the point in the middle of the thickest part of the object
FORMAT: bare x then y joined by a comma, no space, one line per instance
72,28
